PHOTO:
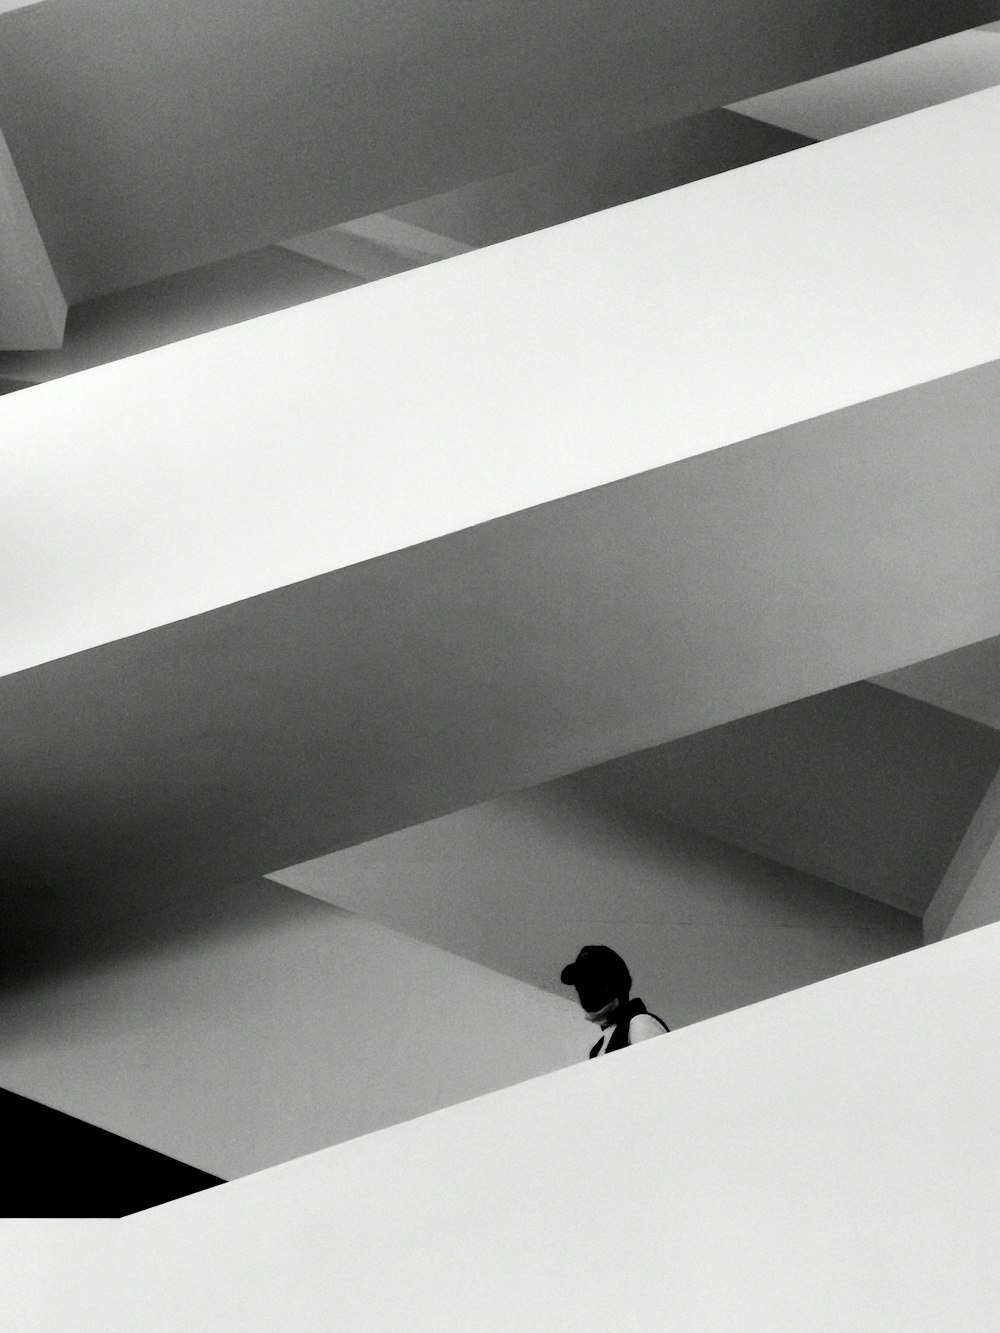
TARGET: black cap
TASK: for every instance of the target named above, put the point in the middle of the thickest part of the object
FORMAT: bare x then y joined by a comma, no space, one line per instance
596,971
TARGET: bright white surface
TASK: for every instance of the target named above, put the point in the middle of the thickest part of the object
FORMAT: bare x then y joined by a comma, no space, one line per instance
32,307
36,1254
827,1162
276,1031
519,884
202,473
878,90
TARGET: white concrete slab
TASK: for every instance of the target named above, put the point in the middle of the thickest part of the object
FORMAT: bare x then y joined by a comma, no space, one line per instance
825,1161
309,440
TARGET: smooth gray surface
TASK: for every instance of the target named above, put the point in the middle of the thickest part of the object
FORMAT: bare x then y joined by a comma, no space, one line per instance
966,681
603,173
520,883
337,709
32,307
599,175
153,138
859,786
895,85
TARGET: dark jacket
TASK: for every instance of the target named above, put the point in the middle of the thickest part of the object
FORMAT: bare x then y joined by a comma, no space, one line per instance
619,1033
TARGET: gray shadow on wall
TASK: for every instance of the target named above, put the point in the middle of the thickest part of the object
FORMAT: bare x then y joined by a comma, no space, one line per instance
861,786
58,936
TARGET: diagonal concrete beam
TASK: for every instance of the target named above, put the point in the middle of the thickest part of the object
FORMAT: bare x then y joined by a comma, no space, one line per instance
405,574
32,306
219,468
969,894
601,174
392,691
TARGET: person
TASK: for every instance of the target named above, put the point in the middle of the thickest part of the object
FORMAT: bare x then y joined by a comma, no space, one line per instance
603,983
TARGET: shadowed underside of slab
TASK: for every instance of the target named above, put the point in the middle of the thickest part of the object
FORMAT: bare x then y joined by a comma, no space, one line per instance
343,707
204,130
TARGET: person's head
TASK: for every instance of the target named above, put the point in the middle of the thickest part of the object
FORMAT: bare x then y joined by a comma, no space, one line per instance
602,982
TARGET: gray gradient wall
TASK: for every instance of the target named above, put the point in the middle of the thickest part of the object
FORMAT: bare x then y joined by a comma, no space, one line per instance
258,1025
519,884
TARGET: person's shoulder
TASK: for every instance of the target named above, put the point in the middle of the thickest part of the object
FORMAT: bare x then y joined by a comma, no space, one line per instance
644,1026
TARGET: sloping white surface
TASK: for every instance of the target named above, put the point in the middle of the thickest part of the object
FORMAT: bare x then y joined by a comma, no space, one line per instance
827,1161
193,476
37,1255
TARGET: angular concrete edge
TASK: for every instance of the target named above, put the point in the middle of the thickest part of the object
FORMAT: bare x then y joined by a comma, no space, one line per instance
969,895
32,306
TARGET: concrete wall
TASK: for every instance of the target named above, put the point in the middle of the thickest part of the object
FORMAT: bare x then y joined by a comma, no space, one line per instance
249,1027
32,306
154,140
965,681
519,884
824,1162
859,786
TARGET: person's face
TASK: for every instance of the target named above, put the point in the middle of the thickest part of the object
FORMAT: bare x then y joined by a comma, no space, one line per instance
603,1016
